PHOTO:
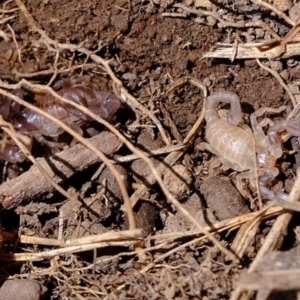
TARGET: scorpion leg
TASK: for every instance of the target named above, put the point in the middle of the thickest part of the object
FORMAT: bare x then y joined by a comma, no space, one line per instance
290,126
267,193
272,140
55,146
263,180
258,127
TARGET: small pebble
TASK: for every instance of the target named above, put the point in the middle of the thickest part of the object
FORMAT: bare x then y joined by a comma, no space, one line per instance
294,12
20,289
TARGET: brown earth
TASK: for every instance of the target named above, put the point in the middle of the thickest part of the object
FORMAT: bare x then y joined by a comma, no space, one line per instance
150,45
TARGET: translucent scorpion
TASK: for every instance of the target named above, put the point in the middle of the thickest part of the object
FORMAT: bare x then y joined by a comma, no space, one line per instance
32,124
243,150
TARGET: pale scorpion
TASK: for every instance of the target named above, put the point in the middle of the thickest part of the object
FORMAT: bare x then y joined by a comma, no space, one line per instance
243,150
30,123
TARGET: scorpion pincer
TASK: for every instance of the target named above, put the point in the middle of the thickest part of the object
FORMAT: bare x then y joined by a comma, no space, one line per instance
33,124
243,150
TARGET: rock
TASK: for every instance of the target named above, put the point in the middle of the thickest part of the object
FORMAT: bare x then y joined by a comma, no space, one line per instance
223,198
20,289
179,223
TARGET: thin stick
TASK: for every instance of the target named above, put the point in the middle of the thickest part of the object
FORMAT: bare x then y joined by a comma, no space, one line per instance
164,150
51,71
210,13
15,42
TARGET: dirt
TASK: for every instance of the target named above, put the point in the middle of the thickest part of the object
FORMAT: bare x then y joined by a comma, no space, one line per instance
150,44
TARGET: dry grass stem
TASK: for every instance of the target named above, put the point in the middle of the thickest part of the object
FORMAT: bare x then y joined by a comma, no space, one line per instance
279,227
250,50
210,13
39,256
164,150
51,71
124,238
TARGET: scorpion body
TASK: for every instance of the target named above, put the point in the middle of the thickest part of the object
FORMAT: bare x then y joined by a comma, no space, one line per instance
33,124
244,150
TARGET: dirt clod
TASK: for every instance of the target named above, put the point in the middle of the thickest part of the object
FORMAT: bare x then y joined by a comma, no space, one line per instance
223,198
146,142
145,215
178,180
178,223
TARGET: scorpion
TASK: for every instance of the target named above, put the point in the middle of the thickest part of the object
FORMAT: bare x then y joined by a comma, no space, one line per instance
253,153
30,123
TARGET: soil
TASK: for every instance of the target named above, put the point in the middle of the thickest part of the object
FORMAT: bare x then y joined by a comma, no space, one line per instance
150,44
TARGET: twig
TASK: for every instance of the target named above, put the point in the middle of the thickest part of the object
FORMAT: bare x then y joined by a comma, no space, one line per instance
51,71
4,36
209,13
55,68
7,127
251,50
8,11
123,239
31,184
15,42
164,150
173,15
281,42
2,21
